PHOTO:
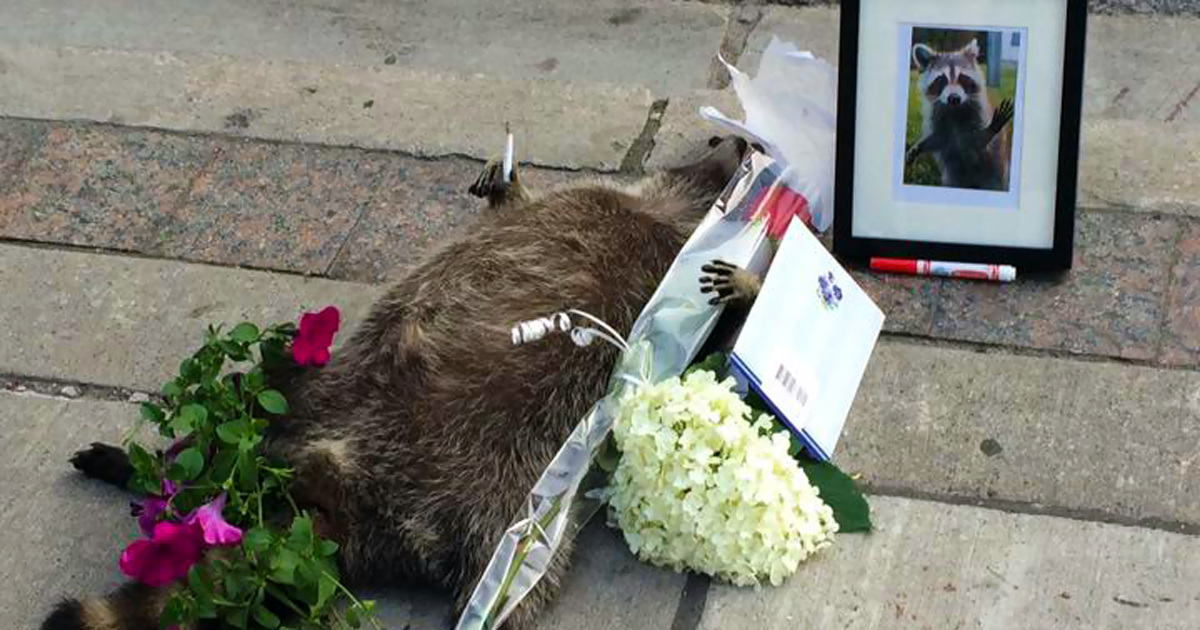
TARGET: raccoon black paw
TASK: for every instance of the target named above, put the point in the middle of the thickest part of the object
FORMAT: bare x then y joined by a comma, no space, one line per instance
1002,115
729,282
67,615
104,462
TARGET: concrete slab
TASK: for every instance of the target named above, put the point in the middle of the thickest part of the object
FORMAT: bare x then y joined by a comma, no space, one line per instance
661,43
128,321
1056,434
933,566
64,534
559,123
1138,165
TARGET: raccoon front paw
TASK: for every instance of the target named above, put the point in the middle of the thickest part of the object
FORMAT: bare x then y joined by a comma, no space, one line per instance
491,185
729,282
104,462
1002,116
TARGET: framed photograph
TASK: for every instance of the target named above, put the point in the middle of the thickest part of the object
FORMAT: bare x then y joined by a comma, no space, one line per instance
958,130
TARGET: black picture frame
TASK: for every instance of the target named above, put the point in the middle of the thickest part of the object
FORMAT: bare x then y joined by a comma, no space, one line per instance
1058,258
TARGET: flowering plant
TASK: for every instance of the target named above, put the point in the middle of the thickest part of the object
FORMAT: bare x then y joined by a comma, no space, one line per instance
222,530
699,486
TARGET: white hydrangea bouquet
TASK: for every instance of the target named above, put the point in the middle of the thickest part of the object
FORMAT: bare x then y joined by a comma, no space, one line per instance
702,486
695,477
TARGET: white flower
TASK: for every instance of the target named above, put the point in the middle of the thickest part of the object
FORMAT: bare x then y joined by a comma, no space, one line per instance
699,486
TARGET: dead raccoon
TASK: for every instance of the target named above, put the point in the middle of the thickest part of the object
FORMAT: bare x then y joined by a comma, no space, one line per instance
417,444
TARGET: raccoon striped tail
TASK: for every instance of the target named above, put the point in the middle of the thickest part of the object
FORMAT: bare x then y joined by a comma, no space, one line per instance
132,607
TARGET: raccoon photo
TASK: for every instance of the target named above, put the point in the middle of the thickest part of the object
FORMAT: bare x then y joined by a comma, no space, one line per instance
416,445
956,125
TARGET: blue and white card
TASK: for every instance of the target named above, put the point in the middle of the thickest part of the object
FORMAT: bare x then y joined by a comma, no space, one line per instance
807,341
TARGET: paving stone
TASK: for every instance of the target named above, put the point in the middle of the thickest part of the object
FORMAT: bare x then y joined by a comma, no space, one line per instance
102,187
417,204
934,566
280,206
128,322
1088,436
1181,334
907,302
1142,166
1111,303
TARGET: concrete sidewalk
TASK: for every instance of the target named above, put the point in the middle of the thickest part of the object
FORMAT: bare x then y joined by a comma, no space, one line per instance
1031,450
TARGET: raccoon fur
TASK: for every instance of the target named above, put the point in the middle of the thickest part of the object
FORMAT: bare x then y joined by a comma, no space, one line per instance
417,443
959,127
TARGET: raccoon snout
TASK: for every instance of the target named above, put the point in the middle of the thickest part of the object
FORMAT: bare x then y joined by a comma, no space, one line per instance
954,99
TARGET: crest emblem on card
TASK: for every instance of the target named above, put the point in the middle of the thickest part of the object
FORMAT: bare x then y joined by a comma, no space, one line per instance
828,290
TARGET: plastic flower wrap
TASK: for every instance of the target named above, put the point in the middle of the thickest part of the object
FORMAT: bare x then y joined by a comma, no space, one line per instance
701,487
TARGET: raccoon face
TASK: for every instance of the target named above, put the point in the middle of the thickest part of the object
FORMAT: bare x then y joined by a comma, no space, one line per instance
949,79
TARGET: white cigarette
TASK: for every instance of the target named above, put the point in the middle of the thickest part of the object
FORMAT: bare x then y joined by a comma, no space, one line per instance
508,159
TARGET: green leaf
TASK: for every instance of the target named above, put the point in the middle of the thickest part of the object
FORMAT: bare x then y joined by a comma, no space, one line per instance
717,363
841,494
301,538
232,432
256,540
173,614
326,587
222,465
153,413
352,617
244,332
239,618
254,381
192,462
266,617
232,350
141,460
328,547
195,414
199,584
273,402
189,369
172,389
283,566
247,466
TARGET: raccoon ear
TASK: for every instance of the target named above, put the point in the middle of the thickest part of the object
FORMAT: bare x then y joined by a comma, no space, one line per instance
972,49
922,55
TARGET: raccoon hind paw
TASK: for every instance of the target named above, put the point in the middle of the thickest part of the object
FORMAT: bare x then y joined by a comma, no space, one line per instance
104,462
67,615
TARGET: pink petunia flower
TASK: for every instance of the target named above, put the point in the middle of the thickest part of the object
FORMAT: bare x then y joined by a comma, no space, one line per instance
312,342
166,557
149,510
217,531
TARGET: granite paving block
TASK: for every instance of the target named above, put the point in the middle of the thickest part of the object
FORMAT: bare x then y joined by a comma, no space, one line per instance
907,302
102,187
418,204
281,206
1111,303
1181,334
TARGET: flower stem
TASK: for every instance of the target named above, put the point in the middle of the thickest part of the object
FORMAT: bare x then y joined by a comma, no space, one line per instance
527,542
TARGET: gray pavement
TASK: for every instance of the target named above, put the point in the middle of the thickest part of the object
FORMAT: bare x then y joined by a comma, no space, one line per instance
1034,477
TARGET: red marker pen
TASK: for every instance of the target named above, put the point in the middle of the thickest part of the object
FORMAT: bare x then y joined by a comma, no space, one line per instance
997,273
